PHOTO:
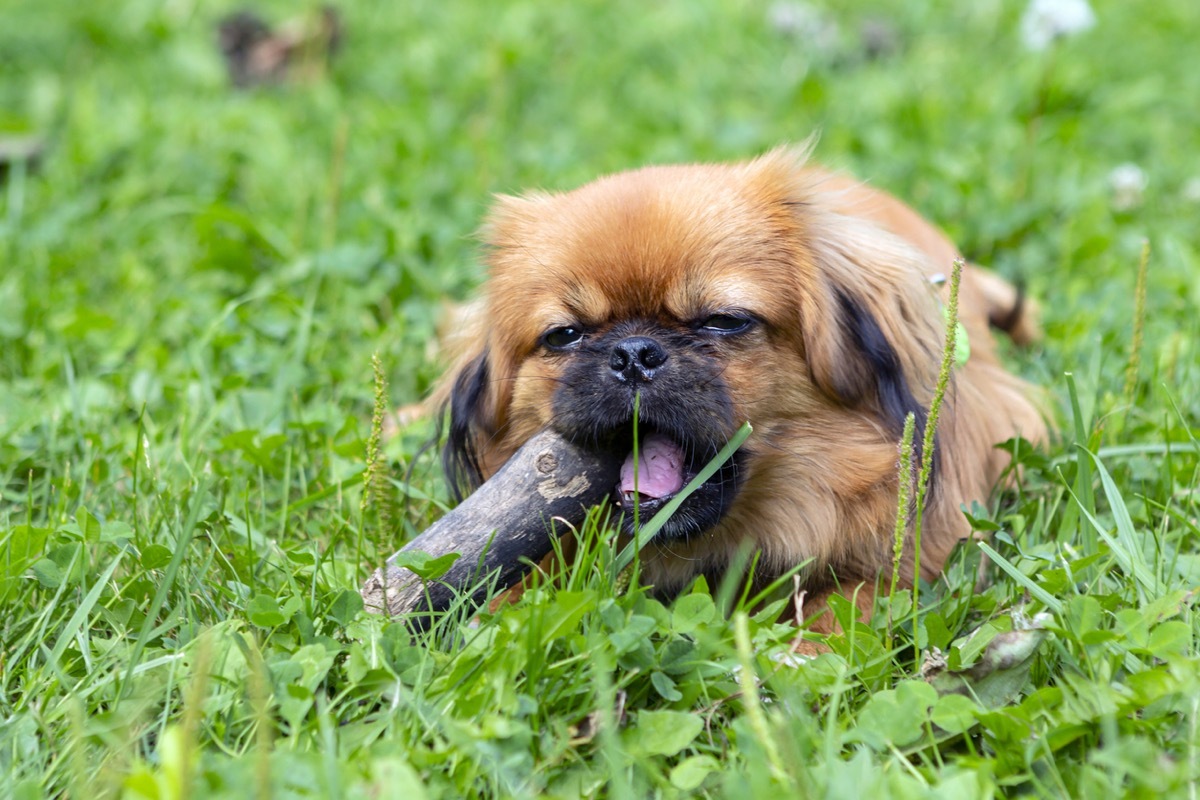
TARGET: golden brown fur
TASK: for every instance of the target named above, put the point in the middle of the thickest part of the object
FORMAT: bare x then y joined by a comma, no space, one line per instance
801,248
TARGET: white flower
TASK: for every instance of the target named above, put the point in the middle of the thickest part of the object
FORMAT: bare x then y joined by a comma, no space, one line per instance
1128,184
1047,20
789,659
1191,190
805,23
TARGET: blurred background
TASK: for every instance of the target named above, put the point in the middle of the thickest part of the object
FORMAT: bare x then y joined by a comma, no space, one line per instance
169,202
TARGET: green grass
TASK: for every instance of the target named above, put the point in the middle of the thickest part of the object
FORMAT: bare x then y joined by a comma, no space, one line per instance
194,282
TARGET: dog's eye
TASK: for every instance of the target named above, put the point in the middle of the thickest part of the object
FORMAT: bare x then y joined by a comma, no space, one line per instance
560,338
726,323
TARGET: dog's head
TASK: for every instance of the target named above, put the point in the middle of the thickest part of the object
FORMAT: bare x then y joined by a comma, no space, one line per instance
702,296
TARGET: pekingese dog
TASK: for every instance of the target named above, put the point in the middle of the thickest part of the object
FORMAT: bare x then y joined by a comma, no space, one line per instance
771,291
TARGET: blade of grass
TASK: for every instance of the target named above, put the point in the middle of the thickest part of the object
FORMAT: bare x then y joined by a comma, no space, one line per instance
1048,600
182,545
1083,475
748,678
1129,537
76,621
1130,560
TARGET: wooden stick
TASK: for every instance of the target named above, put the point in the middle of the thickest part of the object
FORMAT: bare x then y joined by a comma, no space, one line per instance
506,521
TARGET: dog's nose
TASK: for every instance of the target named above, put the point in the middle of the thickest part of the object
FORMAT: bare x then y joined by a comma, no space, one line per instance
636,359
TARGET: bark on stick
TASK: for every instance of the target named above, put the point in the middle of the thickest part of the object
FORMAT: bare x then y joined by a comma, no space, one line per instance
505,522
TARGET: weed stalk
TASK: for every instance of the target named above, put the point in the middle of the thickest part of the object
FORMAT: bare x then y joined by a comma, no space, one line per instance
903,512
935,410
1139,324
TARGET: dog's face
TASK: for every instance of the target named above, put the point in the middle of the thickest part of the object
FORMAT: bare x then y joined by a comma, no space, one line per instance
702,296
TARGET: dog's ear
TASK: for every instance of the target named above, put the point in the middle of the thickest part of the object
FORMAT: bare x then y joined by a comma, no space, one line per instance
465,412
870,328
870,320
472,403
474,398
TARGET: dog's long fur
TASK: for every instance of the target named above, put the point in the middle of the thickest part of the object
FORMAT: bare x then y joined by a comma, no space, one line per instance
847,342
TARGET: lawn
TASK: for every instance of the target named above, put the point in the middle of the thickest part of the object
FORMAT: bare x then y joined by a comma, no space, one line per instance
194,284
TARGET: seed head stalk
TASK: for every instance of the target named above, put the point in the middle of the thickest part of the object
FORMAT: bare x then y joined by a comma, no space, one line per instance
935,409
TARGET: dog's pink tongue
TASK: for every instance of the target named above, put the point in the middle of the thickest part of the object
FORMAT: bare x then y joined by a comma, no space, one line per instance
659,468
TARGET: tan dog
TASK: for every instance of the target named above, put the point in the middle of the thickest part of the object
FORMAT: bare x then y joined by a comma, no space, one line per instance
770,291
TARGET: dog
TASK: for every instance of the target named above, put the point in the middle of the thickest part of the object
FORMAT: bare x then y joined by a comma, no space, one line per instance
772,291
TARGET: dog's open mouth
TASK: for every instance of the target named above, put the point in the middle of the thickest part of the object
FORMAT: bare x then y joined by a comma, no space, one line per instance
663,467
667,461
658,473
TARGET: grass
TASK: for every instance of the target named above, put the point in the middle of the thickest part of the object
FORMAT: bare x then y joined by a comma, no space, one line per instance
193,285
